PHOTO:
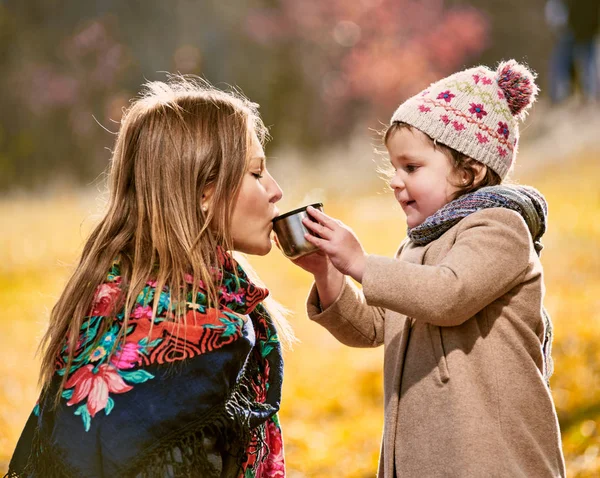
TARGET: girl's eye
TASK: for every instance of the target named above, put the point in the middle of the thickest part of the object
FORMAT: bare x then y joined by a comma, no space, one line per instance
410,168
257,175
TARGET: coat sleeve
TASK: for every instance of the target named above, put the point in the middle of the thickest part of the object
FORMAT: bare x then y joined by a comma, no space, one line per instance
490,255
349,318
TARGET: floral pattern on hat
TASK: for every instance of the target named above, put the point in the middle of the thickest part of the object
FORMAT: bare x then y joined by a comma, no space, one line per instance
485,103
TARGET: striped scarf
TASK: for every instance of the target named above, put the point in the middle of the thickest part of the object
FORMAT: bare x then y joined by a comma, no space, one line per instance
525,200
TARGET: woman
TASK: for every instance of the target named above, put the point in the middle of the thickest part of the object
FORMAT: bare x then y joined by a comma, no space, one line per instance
161,358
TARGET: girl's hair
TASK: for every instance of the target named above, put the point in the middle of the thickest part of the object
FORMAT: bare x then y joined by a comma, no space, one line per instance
461,163
178,138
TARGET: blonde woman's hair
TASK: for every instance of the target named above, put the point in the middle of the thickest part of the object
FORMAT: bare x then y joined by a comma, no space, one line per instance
177,139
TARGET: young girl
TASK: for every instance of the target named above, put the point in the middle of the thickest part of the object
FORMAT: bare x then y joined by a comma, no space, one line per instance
467,341
161,358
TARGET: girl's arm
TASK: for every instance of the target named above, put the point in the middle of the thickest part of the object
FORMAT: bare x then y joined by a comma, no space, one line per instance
491,255
339,306
348,317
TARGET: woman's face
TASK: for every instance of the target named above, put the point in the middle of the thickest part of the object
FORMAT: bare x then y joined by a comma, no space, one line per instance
255,208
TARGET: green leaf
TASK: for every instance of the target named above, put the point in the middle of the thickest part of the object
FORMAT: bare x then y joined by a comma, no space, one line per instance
85,416
275,419
266,350
145,296
138,376
67,394
36,410
109,405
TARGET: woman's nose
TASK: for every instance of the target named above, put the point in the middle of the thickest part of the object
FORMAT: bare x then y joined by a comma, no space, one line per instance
275,192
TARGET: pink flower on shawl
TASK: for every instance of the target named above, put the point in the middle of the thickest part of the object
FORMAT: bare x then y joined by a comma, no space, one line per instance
126,357
95,386
142,312
260,388
104,299
231,297
189,278
273,465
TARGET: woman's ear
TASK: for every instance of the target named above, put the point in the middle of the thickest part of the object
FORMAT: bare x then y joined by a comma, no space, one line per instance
205,201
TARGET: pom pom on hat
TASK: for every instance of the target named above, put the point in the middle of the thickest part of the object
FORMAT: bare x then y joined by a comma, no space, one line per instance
518,85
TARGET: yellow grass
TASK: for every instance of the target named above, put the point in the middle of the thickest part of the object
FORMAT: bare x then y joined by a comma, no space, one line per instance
332,405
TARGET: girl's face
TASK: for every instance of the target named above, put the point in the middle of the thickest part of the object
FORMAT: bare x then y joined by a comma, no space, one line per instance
423,175
255,208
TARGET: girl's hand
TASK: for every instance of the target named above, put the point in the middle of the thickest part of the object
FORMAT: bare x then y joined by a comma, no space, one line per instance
338,242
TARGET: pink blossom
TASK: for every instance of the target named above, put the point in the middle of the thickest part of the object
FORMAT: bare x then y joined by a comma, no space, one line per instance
446,95
482,138
486,81
142,312
458,126
260,388
274,464
104,299
501,151
232,296
126,357
189,278
445,119
95,386
477,110
424,109
503,129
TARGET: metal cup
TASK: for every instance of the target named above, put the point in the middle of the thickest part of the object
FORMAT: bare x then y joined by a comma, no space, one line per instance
290,232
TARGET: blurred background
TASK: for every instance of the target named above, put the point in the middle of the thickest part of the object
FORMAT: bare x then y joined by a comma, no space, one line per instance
327,76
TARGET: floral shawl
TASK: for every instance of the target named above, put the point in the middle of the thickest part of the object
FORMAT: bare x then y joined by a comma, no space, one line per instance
151,407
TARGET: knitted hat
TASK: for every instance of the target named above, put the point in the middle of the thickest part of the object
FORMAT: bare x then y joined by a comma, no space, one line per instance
475,112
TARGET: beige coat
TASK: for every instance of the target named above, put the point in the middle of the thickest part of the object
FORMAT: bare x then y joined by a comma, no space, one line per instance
463,370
